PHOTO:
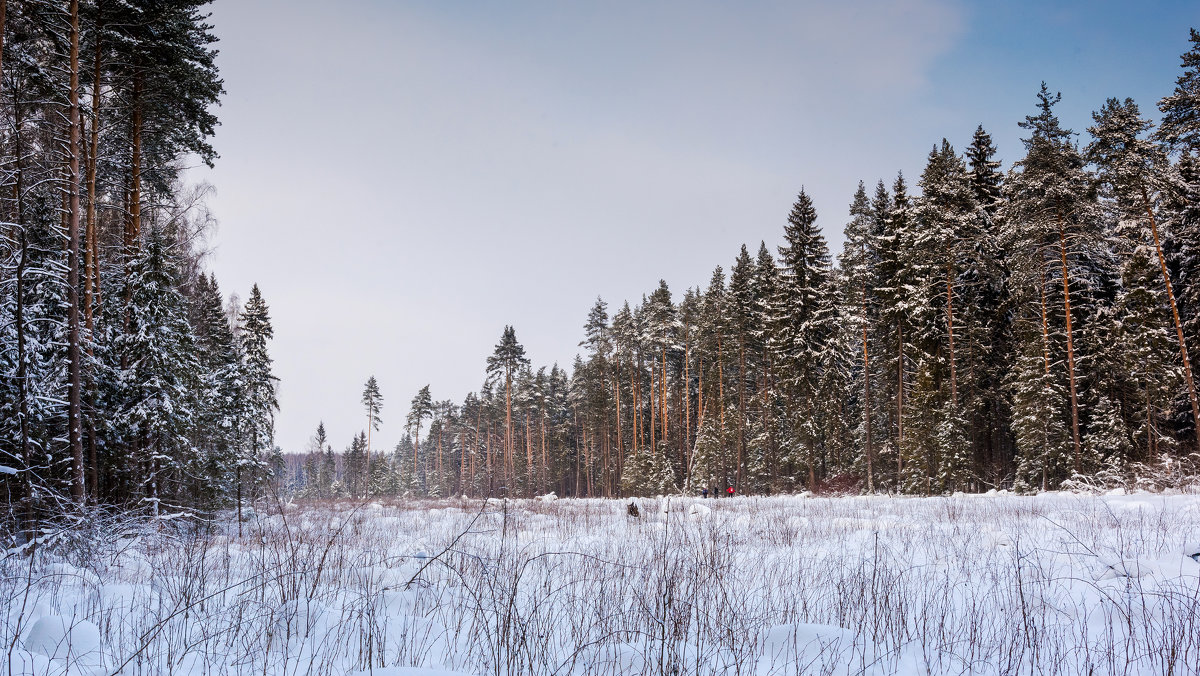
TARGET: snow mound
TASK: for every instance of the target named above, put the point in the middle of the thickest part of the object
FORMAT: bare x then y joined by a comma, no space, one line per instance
25,663
1192,551
699,513
1131,568
58,638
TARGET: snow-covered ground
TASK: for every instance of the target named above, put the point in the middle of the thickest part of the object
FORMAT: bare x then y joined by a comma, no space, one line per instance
997,584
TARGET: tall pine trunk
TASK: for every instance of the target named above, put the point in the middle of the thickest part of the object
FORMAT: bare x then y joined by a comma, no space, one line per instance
74,353
133,224
950,327
509,470
899,401
19,318
741,454
1183,352
867,397
91,259
1062,249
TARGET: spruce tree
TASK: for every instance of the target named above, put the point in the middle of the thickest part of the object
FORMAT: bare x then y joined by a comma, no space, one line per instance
220,392
713,330
259,386
768,404
157,382
804,326
860,314
948,275
744,329
1180,127
355,466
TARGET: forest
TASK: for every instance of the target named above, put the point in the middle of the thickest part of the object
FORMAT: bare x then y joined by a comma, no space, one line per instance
981,329
126,378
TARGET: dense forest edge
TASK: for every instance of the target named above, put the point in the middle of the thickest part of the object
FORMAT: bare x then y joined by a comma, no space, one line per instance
983,330
1026,330
128,380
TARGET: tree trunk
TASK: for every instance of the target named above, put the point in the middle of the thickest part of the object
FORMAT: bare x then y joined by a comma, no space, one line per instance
653,405
528,455
19,318
509,470
663,399
91,237
899,401
1183,352
636,392
133,225
74,355
687,395
3,10
1062,249
950,327
1045,323
741,454
416,445
370,424
721,412
867,398
620,441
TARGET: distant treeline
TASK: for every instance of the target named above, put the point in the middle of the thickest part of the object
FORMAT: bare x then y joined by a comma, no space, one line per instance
985,329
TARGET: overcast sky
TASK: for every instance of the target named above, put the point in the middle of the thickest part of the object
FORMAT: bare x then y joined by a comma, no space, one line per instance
402,179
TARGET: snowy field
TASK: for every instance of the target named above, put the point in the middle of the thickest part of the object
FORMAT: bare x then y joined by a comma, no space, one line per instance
998,584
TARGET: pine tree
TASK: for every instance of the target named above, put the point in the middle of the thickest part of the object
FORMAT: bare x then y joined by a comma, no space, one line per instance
165,78
508,357
372,401
1181,209
1051,205
660,334
1135,171
419,409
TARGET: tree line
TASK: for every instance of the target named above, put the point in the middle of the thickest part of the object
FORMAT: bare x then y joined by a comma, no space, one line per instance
126,377
1026,329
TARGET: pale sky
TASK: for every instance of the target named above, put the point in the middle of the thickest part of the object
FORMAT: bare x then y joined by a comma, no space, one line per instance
402,179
